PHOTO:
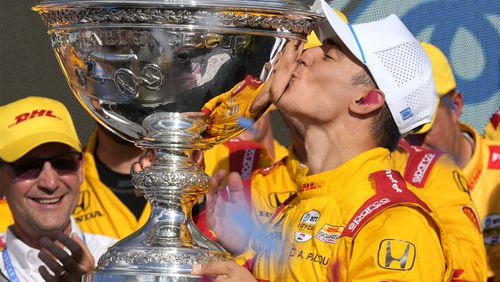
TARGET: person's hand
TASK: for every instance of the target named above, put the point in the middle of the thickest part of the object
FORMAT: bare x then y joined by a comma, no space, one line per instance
149,156
224,271
143,162
229,213
284,69
66,266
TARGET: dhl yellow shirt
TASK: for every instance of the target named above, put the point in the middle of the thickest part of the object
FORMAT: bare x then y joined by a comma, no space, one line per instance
358,222
5,215
99,210
483,177
492,129
271,186
439,179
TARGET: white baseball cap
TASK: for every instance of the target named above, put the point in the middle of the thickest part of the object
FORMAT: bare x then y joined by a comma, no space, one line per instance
396,61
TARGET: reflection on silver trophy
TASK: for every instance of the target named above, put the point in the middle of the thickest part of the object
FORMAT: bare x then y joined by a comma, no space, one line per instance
174,76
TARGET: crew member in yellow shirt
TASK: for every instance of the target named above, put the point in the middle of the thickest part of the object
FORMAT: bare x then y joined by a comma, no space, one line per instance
108,204
478,158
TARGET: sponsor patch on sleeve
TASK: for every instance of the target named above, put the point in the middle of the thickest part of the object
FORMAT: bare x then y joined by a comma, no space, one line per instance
396,254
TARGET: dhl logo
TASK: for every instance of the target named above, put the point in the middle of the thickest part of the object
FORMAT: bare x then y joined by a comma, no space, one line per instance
33,114
309,186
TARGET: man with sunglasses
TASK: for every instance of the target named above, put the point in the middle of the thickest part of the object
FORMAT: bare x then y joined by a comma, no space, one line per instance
40,178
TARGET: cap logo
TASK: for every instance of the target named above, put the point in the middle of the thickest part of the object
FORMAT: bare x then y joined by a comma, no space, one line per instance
406,113
33,114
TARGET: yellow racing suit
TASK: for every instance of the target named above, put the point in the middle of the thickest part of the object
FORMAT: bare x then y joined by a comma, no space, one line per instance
99,210
443,184
237,155
231,155
358,222
483,177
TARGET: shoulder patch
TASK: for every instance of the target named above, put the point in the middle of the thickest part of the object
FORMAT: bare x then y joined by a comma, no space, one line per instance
419,164
494,160
391,191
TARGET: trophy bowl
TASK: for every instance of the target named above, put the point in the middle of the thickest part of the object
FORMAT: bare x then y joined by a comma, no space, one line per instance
173,76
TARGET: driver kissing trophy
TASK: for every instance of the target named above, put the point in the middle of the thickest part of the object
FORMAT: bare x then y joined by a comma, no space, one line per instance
173,76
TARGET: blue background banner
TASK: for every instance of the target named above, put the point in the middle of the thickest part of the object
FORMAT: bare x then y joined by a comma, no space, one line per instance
467,31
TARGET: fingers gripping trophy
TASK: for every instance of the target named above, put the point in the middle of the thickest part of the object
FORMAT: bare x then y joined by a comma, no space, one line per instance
175,76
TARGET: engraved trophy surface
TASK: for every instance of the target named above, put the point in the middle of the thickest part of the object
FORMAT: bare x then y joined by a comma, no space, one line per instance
174,76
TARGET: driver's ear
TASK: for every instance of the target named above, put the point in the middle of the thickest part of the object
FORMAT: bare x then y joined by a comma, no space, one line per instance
369,102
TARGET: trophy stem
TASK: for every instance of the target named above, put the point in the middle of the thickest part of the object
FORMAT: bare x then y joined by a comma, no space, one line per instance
169,189
169,243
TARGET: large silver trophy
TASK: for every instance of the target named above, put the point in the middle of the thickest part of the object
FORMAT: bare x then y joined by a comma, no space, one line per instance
175,76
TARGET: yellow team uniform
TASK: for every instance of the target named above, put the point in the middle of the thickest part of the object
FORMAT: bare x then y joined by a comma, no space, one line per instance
240,156
492,129
5,215
483,177
439,179
232,154
271,186
358,222
99,210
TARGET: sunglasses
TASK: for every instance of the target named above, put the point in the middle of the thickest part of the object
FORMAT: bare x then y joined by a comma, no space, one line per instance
30,168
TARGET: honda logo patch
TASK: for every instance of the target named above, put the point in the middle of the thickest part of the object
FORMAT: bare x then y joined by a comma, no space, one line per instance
396,254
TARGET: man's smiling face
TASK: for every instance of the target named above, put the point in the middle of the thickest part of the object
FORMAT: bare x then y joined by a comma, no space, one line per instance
43,203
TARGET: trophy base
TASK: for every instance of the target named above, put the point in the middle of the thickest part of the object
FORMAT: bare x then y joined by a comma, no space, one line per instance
142,258
153,264
139,277
180,271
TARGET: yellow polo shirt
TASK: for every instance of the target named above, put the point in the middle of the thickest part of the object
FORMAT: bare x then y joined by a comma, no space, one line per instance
99,210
